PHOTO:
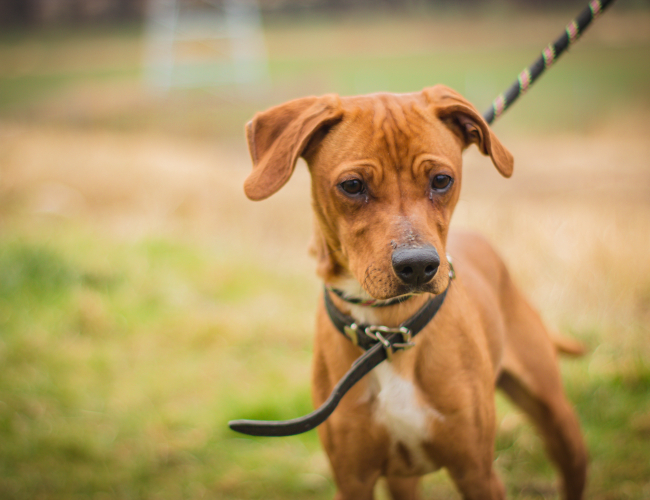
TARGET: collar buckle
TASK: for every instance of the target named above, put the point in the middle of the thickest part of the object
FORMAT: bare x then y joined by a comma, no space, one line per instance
372,330
365,336
378,333
352,331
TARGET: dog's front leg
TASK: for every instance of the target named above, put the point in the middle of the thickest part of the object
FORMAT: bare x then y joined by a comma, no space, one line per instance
471,462
479,484
464,442
354,457
356,448
403,488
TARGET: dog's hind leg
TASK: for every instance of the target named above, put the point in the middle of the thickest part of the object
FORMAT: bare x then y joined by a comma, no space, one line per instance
530,377
560,430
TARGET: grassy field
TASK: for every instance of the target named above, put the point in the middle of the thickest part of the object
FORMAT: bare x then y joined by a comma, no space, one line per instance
144,302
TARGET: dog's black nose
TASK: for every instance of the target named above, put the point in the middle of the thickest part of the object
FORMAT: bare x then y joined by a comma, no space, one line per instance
415,266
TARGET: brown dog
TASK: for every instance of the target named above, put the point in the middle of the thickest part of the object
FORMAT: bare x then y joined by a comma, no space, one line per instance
386,176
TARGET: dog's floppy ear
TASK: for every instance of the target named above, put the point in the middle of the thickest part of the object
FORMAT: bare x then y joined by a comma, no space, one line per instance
278,136
462,116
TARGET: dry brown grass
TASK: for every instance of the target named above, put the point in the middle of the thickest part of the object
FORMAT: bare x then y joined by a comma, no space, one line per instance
573,223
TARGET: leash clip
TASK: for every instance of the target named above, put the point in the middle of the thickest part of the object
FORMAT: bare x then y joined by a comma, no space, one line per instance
378,333
387,346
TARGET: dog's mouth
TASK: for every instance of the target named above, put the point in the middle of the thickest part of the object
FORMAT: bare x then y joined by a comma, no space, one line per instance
393,280
411,270
379,289
409,290
385,285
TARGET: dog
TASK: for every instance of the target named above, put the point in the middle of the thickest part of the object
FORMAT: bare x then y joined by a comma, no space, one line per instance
386,173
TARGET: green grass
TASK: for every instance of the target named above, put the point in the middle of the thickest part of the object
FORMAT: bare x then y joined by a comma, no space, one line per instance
123,361
122,364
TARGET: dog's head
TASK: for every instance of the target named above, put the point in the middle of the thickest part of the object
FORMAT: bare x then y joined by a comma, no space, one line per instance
386,176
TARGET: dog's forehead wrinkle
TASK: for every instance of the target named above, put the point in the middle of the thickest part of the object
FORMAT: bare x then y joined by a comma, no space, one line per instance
393,140
397,112
398,136
386,126
383,133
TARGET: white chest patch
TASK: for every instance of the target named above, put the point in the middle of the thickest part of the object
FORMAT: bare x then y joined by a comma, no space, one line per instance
407,421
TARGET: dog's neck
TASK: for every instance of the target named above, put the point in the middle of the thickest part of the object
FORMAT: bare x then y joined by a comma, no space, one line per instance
391,315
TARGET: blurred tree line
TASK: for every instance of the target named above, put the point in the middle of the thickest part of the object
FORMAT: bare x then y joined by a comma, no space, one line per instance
47,12
51,12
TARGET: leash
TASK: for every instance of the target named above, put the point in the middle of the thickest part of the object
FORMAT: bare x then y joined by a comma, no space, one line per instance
360,368
550,54
381,342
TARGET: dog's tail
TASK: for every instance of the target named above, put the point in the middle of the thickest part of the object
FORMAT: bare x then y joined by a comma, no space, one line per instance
568,346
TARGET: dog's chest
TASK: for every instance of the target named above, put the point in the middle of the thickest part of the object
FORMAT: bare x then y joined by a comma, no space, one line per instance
409,423
398,406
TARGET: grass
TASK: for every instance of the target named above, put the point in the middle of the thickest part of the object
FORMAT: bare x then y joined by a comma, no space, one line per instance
122,363
144,302
100,364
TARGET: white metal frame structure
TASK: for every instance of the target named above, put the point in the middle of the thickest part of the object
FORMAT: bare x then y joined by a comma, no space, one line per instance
228,36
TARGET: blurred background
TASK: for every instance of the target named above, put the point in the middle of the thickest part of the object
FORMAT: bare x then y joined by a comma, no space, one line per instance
144,301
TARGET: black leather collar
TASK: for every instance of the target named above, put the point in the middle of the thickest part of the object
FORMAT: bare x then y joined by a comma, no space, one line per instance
366,336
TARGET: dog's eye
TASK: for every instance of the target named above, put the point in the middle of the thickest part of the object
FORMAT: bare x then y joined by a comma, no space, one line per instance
440,182
352,186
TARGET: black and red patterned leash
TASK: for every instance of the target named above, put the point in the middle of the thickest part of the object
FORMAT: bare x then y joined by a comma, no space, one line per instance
549,55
